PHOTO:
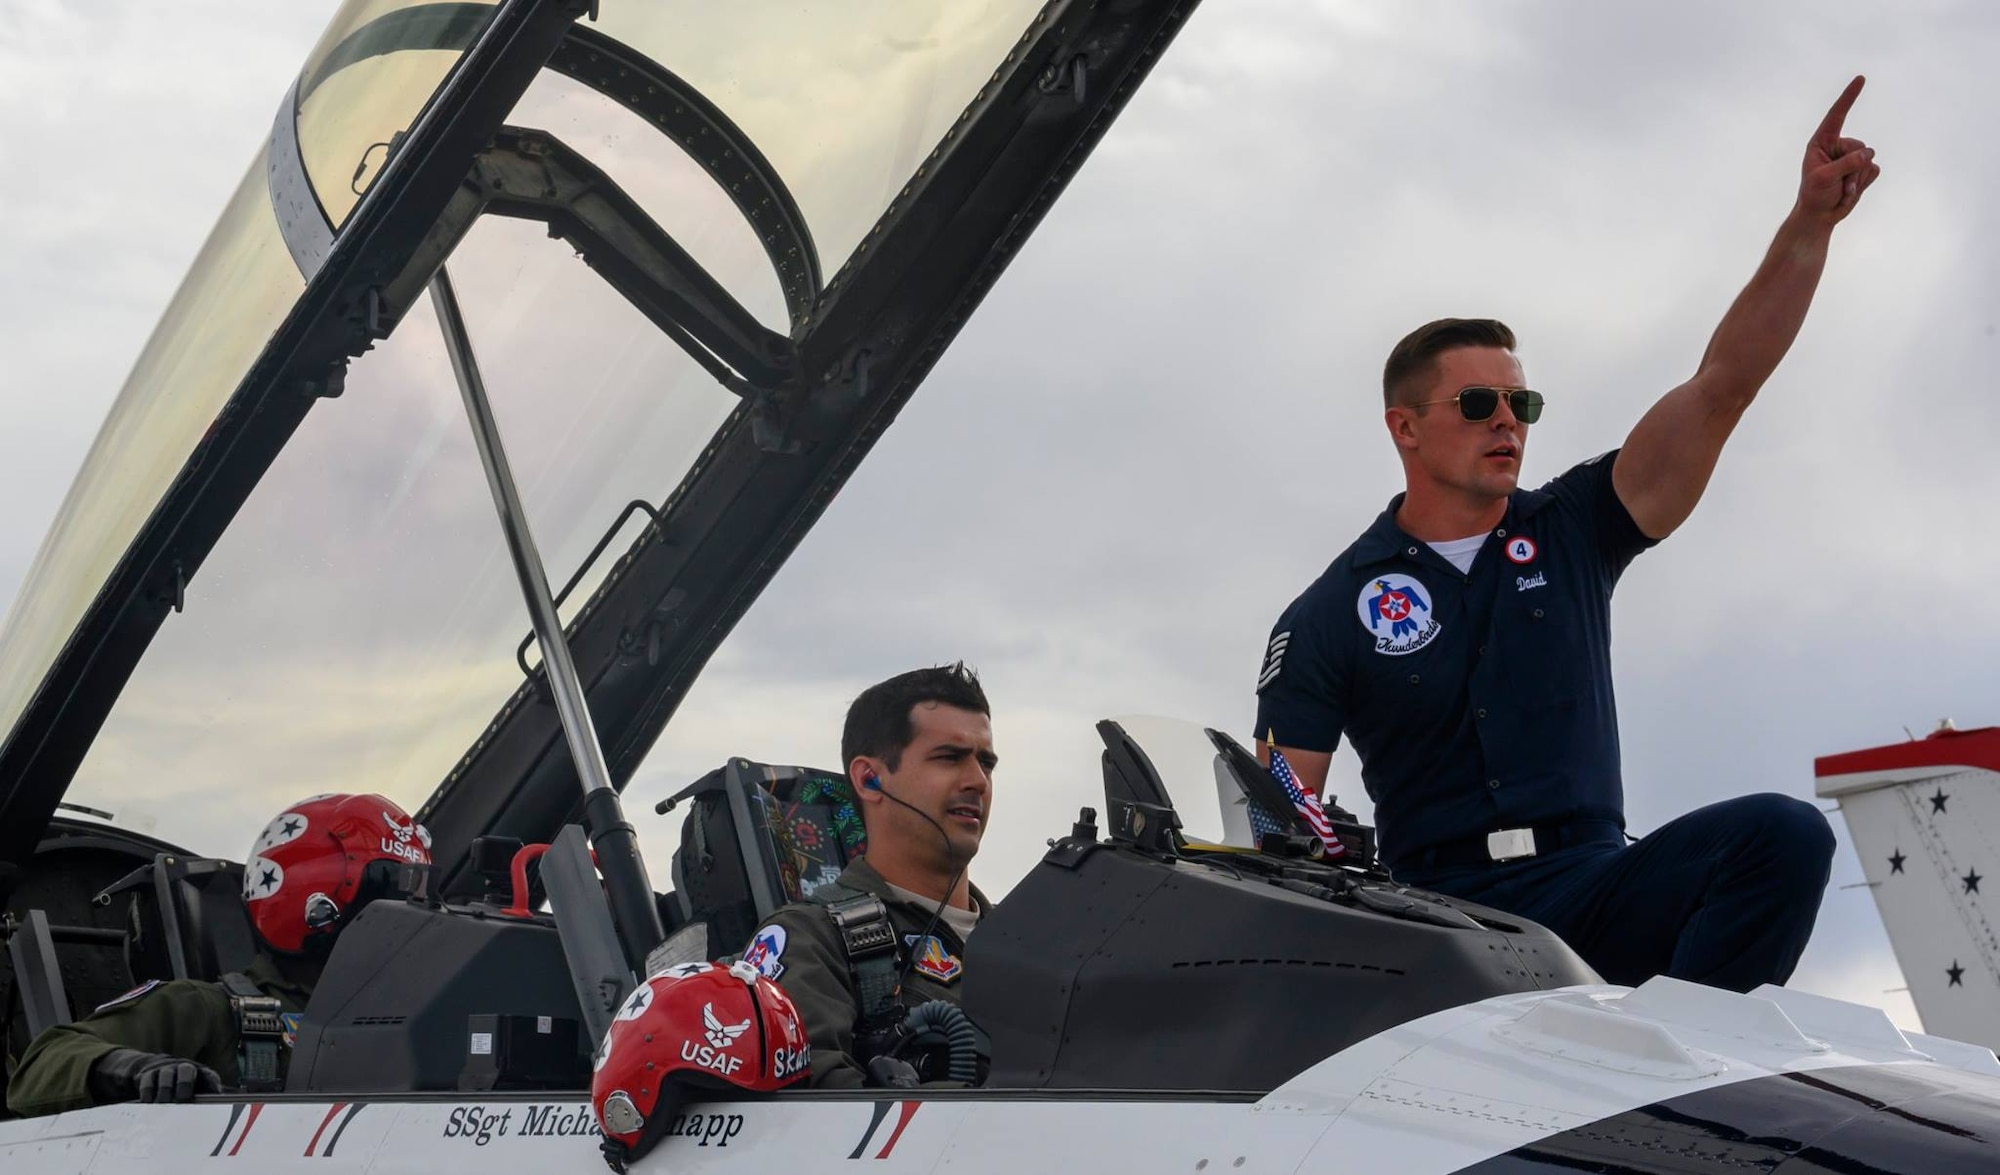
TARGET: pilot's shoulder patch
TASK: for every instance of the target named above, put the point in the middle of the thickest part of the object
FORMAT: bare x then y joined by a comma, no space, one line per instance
128,997
767,948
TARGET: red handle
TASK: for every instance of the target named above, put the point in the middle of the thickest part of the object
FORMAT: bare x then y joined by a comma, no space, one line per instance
522,856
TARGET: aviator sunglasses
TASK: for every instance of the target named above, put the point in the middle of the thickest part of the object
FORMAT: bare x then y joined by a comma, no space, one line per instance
1476,404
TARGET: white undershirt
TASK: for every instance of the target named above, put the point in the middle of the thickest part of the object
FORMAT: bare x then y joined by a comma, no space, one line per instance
961,921
1460,552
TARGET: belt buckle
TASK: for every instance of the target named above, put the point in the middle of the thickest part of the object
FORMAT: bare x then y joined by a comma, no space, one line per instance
1510,843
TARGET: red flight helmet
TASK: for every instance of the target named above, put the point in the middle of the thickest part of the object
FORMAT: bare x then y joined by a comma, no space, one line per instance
307,868
700,1025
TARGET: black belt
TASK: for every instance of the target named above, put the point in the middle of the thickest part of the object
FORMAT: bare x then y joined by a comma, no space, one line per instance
1505,845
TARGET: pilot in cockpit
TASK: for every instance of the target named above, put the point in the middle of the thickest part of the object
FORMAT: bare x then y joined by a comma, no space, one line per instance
874,961
310,869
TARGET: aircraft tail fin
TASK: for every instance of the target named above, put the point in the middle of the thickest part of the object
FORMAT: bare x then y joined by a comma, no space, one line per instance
1925,818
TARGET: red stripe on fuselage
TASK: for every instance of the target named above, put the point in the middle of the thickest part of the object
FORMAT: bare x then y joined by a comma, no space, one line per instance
909,1111
256,1108
323,1124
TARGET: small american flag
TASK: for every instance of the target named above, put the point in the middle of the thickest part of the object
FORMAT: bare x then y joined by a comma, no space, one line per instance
1303,800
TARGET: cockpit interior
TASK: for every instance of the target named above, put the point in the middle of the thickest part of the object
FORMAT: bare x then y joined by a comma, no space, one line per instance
1120,963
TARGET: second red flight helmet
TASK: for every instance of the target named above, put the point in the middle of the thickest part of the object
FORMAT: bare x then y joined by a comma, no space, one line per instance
305,871
697,1024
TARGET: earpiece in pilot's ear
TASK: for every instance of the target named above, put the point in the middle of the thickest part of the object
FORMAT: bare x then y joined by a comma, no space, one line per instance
871,782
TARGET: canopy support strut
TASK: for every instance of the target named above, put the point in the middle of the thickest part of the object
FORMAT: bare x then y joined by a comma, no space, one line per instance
615,841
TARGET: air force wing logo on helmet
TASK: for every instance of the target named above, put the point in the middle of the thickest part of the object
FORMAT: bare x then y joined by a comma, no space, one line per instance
720,1035
1396,611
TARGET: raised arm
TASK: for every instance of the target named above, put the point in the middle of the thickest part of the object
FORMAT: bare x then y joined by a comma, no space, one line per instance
1309,766
1666,462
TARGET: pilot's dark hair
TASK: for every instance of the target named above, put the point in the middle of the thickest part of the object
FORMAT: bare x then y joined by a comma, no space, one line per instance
1412,363
879,724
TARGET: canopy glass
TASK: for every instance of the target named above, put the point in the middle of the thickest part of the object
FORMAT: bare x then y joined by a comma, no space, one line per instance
846,100
357,625
370,76
241,286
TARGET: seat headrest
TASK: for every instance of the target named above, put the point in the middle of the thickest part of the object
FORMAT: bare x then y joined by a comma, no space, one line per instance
835,793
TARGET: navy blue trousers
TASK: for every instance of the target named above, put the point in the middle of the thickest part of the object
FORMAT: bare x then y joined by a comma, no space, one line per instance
1725,895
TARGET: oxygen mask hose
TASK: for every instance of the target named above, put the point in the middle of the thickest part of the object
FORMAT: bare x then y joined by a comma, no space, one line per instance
961,1039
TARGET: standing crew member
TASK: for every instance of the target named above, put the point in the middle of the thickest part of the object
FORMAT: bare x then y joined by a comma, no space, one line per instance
310,870
919,753
1463,643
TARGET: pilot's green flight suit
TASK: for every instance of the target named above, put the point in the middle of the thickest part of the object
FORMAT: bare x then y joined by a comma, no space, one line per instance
184,1018
811,964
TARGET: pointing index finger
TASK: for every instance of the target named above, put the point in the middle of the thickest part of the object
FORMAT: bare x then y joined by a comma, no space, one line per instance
1829,127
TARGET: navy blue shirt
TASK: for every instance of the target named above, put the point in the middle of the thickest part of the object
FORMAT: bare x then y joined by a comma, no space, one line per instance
1477,701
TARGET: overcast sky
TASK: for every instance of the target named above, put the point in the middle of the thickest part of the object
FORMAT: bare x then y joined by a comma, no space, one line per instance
1164,422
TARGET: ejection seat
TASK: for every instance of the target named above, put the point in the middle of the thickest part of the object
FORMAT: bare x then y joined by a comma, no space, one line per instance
183,919
757,837
186,918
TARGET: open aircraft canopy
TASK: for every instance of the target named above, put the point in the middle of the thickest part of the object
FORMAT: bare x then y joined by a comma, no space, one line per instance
278,571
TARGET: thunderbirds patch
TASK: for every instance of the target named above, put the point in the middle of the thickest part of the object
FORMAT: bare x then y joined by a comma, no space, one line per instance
766,950
933,960
1397,612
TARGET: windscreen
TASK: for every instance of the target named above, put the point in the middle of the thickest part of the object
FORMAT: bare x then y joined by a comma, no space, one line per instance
1212,806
